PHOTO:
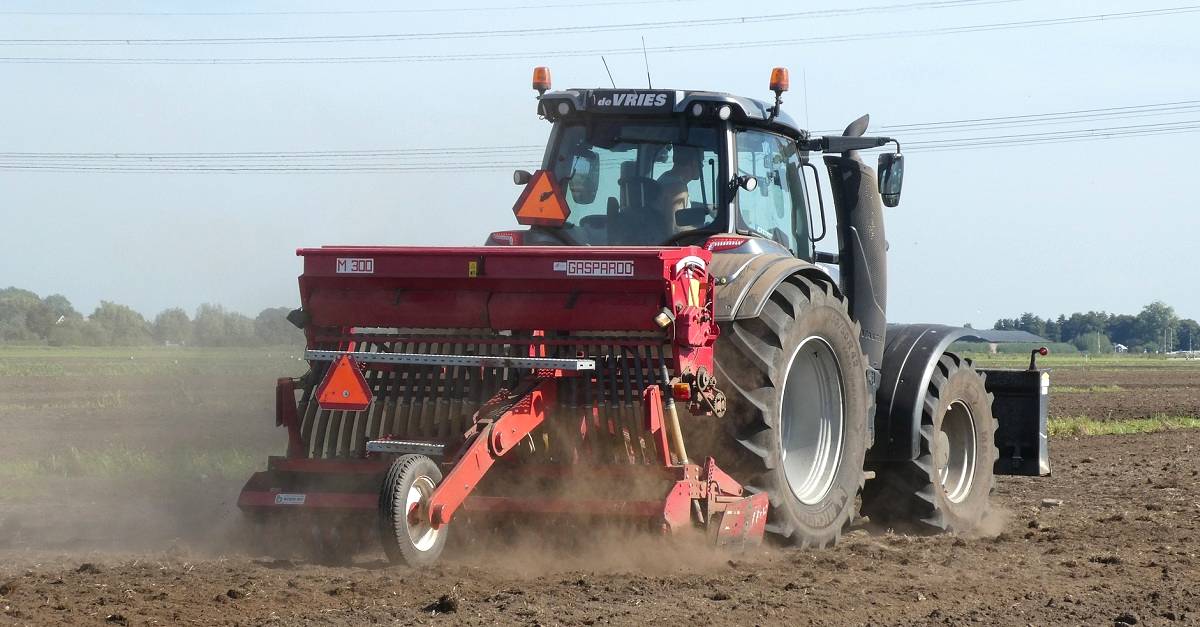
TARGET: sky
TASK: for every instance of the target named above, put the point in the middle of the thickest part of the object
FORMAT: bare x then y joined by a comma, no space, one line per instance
981,233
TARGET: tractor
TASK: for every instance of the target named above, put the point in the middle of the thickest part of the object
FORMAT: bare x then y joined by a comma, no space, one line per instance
662,344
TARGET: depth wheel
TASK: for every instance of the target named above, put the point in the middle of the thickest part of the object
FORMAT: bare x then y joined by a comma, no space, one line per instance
405,531
948,486
799,406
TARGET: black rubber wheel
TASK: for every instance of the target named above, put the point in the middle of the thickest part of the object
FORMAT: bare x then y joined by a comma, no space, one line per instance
404,530
948,486
798,409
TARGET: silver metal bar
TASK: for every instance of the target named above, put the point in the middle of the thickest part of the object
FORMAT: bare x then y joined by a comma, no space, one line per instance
490,361
406,448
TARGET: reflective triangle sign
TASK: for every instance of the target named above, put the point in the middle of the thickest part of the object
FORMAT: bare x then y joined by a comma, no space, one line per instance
542,202
344,387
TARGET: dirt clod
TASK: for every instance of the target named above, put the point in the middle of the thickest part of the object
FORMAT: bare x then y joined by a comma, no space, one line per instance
445,604
88,568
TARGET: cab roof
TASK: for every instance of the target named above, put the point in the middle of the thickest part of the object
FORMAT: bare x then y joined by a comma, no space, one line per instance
554,105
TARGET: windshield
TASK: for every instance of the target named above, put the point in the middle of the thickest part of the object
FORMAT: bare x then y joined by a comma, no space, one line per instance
631,182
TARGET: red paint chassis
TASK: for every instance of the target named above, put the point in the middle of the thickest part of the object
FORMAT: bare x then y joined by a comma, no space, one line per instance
519,288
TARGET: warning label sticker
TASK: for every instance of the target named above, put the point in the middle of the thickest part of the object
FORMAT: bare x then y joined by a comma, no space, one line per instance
594,267
289,499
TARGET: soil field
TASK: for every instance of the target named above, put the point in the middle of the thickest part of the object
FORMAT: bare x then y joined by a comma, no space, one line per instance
118,478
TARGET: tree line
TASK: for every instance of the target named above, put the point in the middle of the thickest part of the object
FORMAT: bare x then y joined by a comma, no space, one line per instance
1156,329
26,318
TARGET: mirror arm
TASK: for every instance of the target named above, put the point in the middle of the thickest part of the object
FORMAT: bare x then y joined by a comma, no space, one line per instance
820,203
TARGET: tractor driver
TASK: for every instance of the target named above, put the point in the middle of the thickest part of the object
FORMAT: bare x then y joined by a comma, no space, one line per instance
685,167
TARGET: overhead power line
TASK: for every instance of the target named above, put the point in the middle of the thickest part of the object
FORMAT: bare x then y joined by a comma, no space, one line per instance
911,134
559,53
55,162
526,31
491,9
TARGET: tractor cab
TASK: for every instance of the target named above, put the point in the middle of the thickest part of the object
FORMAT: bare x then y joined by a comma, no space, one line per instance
654,167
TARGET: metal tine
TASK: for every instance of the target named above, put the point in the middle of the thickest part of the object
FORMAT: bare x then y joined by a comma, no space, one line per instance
636,398
412,394
309,401
591,412
320,429
454,413
450,395
439,387
368,419
350,422
608,387
391,407
433,395
631,413
580,430
460,412
622,415
491,378
333,435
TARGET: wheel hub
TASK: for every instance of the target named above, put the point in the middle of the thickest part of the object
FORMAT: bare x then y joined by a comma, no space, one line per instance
421,532
812,418
954,452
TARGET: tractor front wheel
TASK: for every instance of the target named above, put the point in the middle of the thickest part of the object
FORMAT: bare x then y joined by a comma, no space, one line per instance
948,486
799,404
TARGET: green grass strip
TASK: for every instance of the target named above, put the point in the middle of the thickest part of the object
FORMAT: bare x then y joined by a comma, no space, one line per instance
1083,425
128,463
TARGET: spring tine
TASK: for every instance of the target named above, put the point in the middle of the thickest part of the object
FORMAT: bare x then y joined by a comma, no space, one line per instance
389,425
368,418
309,402
412,395
451,395
633,415
380,390
635,398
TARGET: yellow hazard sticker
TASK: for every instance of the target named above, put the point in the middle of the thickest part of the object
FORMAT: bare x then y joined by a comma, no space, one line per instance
472,268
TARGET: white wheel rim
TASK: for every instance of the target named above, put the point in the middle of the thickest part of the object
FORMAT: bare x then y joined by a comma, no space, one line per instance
421,533
956,438
812,420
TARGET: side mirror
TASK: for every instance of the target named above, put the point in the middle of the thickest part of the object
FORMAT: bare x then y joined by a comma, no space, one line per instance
891,177
746,182
521,177
585,177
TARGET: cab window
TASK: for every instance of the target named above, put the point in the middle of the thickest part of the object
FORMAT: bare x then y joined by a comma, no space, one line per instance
637,182
777,208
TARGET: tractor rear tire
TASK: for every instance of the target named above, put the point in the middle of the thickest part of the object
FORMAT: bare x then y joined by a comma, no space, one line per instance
404,527
799,402
948,486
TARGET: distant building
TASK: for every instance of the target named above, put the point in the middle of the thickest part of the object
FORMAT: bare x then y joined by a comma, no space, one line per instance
1120,348
995,337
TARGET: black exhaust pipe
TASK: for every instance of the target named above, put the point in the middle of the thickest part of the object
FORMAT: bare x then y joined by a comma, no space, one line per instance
862,248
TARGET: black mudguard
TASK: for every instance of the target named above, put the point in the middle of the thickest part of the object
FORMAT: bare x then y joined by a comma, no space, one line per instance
1019,405
744,282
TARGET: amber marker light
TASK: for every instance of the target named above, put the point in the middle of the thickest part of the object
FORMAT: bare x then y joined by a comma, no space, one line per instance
779,80
541,79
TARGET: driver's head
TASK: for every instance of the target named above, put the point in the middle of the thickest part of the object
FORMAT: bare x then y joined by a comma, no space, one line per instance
686,161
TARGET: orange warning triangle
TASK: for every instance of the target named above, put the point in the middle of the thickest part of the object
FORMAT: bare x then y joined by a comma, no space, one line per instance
541,203
344,387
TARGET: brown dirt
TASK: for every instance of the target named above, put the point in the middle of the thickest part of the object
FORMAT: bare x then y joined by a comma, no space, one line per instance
1142,393
156,550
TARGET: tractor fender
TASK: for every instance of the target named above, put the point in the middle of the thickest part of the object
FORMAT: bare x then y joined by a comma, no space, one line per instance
745,281
909,356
